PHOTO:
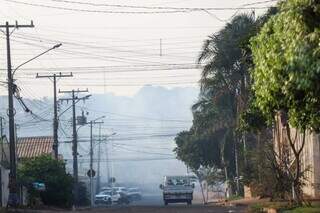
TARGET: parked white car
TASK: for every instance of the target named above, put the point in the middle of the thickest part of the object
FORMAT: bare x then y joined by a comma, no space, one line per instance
103,198
134,194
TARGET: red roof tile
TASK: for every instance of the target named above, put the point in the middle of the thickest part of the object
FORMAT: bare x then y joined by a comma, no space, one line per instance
28,147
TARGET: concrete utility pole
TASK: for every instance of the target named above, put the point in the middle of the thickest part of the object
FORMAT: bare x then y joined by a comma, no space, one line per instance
75,141
13,197
91,167
1,127
107,163
91,160
55,116
99,158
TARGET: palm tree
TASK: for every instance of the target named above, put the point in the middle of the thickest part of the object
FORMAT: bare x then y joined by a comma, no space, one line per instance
225,66
225,89
225,83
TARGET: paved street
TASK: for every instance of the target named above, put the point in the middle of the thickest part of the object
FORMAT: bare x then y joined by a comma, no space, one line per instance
154,204
170,209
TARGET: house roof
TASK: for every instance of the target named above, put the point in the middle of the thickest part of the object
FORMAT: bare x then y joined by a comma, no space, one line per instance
28,147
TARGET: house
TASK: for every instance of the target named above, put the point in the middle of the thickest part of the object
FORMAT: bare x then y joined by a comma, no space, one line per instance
310,156
26,148
30,147
4,171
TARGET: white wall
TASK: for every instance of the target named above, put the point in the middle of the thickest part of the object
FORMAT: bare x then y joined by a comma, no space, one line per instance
4,185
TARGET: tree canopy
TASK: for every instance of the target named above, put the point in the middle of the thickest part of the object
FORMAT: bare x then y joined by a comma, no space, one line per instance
52,173
287,67
224,85
286,76
216,138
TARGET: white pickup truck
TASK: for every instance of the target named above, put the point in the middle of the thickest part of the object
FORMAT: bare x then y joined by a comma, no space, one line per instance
177,189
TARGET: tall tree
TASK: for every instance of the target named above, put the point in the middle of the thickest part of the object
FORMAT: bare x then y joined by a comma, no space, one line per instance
286,74
226,80
224,95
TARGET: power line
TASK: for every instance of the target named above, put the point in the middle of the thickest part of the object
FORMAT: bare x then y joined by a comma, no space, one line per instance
92,11
260,2
115,69
139,151
165,10
86,79
138,117
124,159
104,57
77,44
129,85
176,9
147,147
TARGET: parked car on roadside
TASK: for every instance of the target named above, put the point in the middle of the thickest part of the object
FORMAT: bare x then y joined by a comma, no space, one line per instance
134,194
123,198
103,198
120,189
113,196
106,189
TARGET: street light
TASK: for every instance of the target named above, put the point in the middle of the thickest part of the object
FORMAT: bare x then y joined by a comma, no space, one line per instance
37,56
11,90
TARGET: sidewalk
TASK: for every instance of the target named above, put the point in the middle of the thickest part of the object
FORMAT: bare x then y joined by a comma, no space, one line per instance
240,202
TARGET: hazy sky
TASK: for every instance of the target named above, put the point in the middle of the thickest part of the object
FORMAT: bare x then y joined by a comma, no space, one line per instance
113,49
111,52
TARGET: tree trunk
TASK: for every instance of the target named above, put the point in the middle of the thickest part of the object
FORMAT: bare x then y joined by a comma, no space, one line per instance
259,156
202,192
297,190
227,193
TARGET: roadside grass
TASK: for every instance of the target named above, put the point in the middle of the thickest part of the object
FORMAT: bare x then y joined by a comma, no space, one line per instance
234,197
315,208
303,210
284,207
258,207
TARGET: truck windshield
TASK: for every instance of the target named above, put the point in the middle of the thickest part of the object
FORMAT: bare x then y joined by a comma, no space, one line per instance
177,182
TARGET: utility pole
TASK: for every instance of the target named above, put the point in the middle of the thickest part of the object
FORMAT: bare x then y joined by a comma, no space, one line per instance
13,197
75,141
55,114
1,127
107,163
91,166
99,158
91,161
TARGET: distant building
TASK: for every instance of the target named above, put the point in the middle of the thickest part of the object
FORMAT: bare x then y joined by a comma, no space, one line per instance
310,156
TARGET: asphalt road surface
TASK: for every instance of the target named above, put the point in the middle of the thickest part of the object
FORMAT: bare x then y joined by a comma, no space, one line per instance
174,208
154,204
